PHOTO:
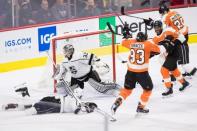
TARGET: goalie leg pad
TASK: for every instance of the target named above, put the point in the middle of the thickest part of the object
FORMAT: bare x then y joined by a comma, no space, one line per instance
105,88
62,88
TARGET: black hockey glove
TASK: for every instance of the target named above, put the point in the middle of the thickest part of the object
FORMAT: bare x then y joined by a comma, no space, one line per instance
149,22
126,31
90,106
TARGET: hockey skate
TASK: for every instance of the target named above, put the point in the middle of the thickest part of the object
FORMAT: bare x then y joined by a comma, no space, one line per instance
9,106
185,85
168,92
141,109
23,90
115,106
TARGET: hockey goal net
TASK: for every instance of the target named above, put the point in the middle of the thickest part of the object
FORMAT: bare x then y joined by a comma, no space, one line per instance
101,43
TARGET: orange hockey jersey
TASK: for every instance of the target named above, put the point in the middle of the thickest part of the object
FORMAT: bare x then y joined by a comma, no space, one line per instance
138,59
176,21
165,33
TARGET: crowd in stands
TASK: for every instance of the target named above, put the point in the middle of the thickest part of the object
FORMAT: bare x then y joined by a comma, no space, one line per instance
27,12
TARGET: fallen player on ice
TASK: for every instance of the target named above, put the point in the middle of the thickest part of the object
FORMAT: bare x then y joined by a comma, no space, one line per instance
50,104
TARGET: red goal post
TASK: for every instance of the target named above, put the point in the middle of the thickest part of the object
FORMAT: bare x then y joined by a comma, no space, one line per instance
69,36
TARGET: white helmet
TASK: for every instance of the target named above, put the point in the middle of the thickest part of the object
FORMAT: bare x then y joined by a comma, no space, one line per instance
68,50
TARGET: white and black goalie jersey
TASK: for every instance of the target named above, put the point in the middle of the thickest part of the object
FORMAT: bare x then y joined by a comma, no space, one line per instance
79,65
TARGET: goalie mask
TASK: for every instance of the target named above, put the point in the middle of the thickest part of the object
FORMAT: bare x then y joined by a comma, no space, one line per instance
158,27
68,51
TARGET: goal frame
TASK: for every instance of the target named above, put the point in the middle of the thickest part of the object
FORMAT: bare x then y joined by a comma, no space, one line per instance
53,46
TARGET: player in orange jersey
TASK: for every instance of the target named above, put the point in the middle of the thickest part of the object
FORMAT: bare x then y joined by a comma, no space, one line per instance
138,61
173,19
170,63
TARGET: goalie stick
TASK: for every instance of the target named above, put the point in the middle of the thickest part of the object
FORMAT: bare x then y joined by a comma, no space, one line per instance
112,119
83,104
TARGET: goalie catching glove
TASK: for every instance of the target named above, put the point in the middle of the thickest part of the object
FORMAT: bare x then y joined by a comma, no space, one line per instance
101,67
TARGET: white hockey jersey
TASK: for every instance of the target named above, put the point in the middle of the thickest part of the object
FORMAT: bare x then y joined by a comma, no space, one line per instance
79,65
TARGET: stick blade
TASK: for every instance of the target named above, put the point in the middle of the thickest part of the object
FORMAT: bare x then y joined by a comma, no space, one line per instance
122,10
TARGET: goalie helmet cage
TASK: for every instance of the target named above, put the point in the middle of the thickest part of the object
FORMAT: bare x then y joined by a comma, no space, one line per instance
71,36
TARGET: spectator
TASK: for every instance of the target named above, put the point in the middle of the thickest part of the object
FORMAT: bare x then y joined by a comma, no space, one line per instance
25,13
2,13
35,4
154,3
81,4
8,13
90,10
44,14
128,4
60,10
107,7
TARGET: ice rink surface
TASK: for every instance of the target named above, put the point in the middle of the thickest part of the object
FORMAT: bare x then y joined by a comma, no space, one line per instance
177,113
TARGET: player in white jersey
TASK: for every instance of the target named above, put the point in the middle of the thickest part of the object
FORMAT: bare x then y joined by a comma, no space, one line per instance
62,102
80,66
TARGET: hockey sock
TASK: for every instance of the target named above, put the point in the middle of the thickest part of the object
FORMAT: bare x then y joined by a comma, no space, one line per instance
125,92
145,97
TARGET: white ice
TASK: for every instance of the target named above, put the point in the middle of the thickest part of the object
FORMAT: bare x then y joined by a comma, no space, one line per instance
178,113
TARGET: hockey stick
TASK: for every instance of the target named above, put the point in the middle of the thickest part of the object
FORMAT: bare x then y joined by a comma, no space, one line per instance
112,119
112,31
121,59
110,28
123,13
